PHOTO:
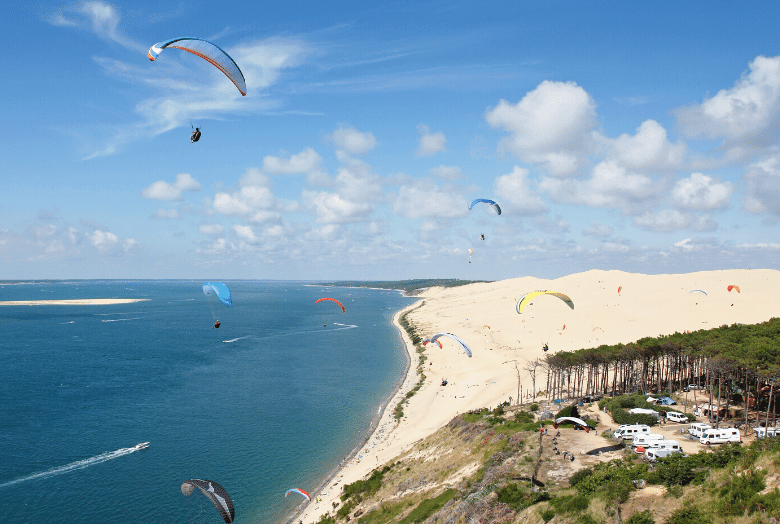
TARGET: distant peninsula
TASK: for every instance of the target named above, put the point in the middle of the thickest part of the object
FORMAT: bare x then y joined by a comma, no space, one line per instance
410,287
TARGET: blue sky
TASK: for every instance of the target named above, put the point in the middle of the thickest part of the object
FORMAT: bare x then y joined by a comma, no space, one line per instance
614,135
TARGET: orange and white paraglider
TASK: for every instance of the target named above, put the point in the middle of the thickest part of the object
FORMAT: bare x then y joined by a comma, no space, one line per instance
333,300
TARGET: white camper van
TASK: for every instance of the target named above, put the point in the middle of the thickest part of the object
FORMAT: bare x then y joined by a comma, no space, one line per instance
720,436
676,417
654,454
697,428
646,439
628,432
763,432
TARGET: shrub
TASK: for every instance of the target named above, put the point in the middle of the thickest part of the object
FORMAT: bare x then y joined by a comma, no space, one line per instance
686,515
621,416
534,407
579,476
326,519
568,411
644,517
736,495
362,488
523,417
547,515
768,502
428,507
518,499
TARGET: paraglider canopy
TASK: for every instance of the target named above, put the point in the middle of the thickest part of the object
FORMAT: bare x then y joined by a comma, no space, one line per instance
697,290
300,492
207,51
425,343
333,300
215,493
528,297
735,288
486,201
577,421
466,348
220,290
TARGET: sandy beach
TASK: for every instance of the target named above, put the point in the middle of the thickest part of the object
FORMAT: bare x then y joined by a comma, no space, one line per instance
484,316
78,302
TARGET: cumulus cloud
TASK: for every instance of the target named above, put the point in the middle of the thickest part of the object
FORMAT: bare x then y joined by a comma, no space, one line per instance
244,202
103,240
162,190
701,193
610,186
515,190
423,199
166,213
668,220
749,110
762,187
331,208
551,126
211,229
450,173
307,162
649,148
597,229
245,233
348,139
430,143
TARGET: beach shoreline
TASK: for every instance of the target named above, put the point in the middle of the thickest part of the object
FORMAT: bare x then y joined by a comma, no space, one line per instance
611,307
353,466
75,302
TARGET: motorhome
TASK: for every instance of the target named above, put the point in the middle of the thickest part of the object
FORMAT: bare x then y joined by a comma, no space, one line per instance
645,439
763,432
720,436
697,428
628,432
676,417
654,454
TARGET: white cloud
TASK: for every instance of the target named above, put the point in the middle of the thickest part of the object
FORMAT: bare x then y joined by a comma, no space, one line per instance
100,18
103,240
330,208
306,162
597,229
749,109
129,243
515,190
166,213
550,127
649,148
762,187
245,233
211,229
430,143
45,231
247,201
610,186
668,220
701,193
162,190
684,244
423,199
450,173
352,141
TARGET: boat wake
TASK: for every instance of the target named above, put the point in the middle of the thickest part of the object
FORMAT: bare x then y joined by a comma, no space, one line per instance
80,464
234,339
343,326
119,319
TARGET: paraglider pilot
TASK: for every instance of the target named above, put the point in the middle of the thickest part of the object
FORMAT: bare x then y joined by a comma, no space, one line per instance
216,325
195,136
482,236
545,347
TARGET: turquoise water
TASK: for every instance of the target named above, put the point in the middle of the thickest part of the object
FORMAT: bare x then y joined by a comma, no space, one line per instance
273,399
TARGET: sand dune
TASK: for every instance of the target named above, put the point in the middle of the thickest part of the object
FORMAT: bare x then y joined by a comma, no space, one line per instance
78,302
647,305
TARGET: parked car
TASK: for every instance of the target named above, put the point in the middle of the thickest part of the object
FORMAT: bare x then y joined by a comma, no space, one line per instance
676,417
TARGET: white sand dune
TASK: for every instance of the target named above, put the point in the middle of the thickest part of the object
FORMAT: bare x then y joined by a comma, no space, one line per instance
78,302
647,306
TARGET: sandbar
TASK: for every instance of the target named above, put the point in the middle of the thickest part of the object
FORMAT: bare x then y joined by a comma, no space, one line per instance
76,302
503,342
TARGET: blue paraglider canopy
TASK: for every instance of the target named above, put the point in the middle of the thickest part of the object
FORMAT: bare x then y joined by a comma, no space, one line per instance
220,290
486,201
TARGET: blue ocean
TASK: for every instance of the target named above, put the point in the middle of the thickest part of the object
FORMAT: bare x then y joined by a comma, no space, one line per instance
274,399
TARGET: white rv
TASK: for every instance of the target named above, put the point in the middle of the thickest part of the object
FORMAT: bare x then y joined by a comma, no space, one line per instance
720,436
646,439
676,417
764,432
697,428
628,432
654,454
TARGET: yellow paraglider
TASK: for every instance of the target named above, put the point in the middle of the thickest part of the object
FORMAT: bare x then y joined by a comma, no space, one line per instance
528,297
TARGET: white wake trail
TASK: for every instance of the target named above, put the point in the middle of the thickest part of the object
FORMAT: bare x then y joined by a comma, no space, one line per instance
73,466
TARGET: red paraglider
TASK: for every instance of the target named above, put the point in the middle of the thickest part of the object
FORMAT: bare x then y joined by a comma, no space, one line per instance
333,300
735,288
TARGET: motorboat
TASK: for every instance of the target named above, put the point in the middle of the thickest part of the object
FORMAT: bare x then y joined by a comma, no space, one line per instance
142,445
